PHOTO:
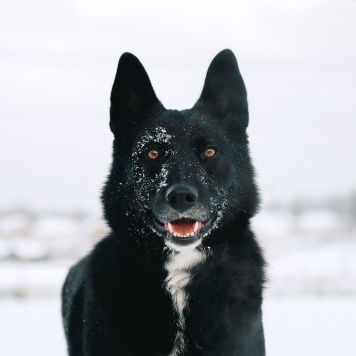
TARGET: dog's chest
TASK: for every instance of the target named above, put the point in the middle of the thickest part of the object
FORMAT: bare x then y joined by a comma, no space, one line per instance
179,266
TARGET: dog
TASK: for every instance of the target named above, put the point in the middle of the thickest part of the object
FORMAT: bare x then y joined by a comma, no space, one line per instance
181,272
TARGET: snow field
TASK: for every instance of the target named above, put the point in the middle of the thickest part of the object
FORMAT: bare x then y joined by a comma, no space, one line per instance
294,326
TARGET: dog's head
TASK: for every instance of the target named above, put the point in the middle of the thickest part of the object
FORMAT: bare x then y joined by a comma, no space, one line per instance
181,174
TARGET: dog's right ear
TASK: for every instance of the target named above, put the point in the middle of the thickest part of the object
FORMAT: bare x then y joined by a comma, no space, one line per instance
132,93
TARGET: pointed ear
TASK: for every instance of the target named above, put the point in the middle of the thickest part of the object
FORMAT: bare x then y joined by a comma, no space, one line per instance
132,93
224,92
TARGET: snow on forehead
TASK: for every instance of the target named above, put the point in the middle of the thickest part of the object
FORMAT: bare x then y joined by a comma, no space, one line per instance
160,134
180,124
157,134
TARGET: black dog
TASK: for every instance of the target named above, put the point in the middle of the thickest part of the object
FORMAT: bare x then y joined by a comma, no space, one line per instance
181,272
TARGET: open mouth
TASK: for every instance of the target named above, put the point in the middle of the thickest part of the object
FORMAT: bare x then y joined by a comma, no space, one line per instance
184,228
183,232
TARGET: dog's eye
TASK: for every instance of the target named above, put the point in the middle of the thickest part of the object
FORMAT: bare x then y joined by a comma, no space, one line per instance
153,154
210,152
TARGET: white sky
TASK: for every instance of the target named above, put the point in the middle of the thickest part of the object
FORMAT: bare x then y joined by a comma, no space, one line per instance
58,61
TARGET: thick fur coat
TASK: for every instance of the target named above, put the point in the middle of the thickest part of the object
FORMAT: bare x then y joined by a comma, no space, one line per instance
181,272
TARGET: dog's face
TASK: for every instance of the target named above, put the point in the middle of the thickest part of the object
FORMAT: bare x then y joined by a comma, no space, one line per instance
180,174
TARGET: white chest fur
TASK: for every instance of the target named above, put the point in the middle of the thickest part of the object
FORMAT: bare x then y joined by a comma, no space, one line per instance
178,266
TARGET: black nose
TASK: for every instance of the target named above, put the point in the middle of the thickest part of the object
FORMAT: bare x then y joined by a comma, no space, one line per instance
181,196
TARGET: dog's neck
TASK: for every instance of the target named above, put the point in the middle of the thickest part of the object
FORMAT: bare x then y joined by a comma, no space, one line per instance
179,266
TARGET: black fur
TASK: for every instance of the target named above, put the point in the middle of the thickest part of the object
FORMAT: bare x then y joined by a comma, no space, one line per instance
114,300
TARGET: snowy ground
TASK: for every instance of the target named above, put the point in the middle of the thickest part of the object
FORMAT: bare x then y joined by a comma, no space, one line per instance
310,326
307,326
310,299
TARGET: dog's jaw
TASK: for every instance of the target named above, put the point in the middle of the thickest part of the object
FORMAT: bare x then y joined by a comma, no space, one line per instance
182,248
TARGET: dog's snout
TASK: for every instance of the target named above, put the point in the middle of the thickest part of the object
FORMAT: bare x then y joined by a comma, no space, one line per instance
181,196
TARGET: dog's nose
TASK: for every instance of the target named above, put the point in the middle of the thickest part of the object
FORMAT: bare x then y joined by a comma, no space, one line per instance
181,196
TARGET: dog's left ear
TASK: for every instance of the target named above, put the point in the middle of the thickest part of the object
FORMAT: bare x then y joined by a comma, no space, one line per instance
132,93
224,91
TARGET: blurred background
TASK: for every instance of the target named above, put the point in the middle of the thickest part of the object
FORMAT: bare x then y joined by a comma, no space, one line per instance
298,60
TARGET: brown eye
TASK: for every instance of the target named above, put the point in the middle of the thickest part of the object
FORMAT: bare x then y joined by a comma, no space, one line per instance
210,152
153,154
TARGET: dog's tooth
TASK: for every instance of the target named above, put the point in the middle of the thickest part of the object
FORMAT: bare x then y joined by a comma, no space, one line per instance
196,226
177,234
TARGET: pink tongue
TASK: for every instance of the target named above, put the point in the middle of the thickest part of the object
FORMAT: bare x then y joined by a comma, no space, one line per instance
183,227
